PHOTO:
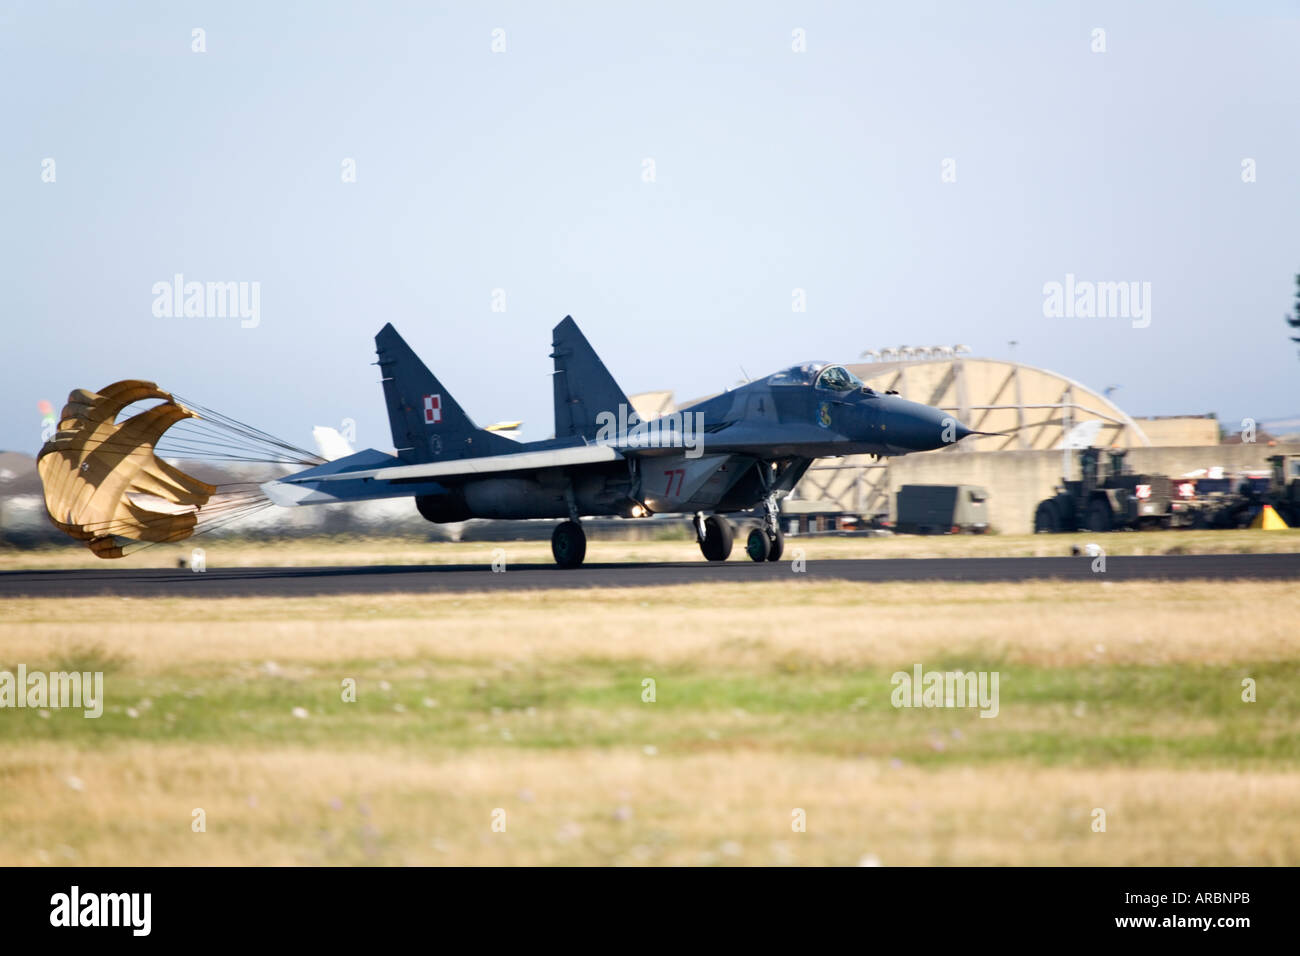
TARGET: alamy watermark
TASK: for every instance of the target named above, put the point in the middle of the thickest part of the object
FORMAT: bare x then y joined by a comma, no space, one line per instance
1084,299
676,430
924,688
179,299
75,908
83,690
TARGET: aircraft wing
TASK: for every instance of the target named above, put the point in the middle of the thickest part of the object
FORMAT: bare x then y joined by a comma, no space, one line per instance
357,478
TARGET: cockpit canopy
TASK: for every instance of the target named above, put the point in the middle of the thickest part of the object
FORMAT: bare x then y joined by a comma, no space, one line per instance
824,375
804,374
837,378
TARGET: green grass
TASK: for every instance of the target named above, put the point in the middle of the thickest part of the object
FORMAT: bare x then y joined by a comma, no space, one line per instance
1147,716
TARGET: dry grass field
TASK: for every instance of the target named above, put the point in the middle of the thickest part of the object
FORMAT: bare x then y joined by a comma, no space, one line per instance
529,707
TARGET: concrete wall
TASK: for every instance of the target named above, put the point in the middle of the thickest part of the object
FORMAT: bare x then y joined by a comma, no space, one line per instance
1163,432
1018,480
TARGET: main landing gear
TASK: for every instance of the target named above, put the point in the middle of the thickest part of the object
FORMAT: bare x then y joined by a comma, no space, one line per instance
714,533
569,544
715,536
767,543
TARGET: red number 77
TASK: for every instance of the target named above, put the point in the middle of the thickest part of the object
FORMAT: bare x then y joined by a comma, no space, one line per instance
681,476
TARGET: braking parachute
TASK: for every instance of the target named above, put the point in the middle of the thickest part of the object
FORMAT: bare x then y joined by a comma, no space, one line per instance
105,483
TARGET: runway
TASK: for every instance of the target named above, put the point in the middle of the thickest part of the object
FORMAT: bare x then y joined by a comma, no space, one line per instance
306,581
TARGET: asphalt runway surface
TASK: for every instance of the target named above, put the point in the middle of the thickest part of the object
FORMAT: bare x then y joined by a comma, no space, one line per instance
306,581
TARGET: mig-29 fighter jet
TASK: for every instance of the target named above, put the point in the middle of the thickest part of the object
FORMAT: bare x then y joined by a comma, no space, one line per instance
743,449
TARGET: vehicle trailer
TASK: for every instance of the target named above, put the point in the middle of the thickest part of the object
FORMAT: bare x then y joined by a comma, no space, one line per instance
1110,499
1237,504
942,509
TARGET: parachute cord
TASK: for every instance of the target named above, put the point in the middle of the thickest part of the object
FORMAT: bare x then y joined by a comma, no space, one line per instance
218,506
135,547
189,431
254,434
188,447
212,436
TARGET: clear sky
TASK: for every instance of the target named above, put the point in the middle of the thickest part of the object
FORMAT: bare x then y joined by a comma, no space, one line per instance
524,171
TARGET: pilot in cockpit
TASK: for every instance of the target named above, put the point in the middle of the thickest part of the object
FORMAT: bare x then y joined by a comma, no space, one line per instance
838,379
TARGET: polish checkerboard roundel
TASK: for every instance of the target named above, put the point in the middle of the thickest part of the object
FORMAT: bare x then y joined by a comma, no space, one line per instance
432,409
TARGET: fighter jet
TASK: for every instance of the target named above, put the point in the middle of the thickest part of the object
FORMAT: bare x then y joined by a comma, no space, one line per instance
741,450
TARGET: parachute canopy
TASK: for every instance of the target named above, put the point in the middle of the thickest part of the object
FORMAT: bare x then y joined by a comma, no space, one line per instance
105,485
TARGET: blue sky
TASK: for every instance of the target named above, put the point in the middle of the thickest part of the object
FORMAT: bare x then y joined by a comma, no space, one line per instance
523,171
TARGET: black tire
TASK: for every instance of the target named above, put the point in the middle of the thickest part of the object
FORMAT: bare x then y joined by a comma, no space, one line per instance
757,545
1046,519
718,538
569,544
777,545
1099,518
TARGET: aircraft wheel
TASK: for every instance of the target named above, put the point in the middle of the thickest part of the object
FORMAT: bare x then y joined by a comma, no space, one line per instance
757,546
569,544
1099,517
777,545
718,538
1046,520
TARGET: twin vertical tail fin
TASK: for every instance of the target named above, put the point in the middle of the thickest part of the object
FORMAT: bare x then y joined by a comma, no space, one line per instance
583,386
427,423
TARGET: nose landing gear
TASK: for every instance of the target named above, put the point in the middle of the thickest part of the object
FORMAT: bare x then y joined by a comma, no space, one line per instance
767,543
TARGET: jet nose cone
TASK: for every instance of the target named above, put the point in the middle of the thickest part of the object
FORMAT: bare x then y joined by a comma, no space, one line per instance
945,428
952,431
927,428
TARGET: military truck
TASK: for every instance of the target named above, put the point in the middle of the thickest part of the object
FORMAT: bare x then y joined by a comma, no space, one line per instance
942,509
1108,498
